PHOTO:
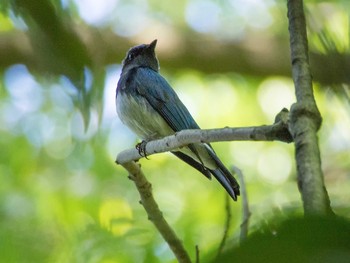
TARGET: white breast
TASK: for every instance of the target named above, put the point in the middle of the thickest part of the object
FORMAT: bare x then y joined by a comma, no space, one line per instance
146,123
141,118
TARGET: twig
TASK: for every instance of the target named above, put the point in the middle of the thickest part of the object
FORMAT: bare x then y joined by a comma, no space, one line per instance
245,205
227,225
197,254
278,131
154,214
305,119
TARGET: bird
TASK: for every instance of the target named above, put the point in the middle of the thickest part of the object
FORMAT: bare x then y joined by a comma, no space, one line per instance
149,106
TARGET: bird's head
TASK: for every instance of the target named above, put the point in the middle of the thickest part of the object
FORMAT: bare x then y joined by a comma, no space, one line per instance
141,56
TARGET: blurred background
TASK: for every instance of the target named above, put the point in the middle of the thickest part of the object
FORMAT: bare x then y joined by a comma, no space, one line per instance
63,199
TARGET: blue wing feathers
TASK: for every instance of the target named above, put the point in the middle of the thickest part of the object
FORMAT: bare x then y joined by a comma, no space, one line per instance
152,86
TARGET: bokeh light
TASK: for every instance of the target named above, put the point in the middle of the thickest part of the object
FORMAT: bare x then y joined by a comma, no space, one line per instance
116,215
274,164
274,94
203,16
96,13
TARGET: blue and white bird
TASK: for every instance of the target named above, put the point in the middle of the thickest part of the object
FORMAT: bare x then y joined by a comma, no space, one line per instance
148,105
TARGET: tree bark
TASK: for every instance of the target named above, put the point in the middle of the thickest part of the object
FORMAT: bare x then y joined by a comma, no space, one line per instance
144,188
305,119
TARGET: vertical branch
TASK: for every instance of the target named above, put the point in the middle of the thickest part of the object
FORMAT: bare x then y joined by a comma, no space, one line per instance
245,206
154,214
227,224
305,119
197,254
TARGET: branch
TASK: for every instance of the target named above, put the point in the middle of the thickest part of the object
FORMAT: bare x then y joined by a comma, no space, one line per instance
154,214
197,254
245,206
305,119
276,132
227,225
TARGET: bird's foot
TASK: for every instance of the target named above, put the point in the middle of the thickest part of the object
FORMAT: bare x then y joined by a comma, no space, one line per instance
141,148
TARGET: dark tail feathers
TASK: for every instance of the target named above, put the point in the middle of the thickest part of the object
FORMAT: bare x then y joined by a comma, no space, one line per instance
221,173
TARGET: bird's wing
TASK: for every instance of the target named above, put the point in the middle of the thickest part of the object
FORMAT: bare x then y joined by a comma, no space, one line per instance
161,96
157,91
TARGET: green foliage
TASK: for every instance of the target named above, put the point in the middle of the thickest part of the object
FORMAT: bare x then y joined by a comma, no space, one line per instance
313,239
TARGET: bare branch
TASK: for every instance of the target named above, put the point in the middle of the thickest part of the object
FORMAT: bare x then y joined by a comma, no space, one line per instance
245,205
154,214
197,254
305,119
227,225
276,132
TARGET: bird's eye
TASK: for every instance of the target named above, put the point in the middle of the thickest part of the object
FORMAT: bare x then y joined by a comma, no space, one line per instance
132,55
134,52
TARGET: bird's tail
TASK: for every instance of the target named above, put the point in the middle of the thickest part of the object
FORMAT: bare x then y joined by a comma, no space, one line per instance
223,175
226,179
203,158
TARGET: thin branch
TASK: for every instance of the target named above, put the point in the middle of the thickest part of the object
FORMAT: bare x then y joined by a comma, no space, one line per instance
305,119
276,132
227,225
197,254
245,205
154,214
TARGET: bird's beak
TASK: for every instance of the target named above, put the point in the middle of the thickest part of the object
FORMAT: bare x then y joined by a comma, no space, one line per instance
153,44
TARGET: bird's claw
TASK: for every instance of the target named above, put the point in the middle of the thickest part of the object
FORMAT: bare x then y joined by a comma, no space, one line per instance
141,148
